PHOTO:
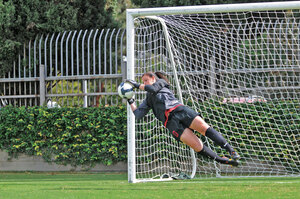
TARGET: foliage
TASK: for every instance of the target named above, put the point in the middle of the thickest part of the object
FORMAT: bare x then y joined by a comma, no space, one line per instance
163,3
118,8
76,136
170,3
7,45
21,21
94,14
266,130
85,136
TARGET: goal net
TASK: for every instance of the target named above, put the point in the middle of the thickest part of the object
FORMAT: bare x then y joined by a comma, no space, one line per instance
239,67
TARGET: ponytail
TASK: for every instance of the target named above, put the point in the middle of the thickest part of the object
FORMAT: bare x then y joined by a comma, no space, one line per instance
162,75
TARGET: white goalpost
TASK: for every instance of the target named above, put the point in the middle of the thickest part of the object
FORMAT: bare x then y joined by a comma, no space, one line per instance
238,65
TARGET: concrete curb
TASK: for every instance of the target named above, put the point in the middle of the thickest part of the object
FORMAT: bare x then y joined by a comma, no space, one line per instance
35,163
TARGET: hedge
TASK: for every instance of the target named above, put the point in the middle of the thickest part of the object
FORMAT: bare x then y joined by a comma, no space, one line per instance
87,136
76,136
262,130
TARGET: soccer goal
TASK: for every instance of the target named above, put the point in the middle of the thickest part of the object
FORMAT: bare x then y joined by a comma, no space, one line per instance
238,65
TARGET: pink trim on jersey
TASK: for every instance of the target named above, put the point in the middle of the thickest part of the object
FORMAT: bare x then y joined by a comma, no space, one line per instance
169,111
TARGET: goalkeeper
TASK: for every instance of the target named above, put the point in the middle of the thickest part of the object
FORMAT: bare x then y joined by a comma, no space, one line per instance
177,118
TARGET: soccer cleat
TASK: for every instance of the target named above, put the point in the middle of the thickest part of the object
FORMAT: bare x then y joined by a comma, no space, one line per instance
235,156
231,162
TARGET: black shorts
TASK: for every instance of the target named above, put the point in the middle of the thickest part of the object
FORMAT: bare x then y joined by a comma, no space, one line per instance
180,119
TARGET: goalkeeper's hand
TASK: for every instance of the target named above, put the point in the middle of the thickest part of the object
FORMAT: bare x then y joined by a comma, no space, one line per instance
133,83
130,101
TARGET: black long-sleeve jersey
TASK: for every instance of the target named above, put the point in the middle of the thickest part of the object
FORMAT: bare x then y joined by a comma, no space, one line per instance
159,98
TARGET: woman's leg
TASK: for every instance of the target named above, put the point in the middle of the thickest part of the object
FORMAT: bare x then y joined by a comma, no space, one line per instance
190,139
199,125
202,127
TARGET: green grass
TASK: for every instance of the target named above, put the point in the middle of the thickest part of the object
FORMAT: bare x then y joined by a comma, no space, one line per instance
115,185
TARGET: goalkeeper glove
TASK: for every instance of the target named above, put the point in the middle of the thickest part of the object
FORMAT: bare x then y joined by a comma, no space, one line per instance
130,101
133,83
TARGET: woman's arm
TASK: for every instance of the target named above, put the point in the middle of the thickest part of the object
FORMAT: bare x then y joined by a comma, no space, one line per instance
132,104
141,111
156,87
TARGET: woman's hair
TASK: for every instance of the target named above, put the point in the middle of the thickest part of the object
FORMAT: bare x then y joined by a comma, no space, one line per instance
157,75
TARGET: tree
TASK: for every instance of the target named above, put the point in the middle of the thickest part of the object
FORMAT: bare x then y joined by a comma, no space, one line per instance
119,10
7,45
167,3
94,14
21,21
170,3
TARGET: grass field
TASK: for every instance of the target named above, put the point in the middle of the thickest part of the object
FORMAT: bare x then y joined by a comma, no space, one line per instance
115,185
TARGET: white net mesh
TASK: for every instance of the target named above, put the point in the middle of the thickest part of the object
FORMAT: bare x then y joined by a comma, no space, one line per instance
241,72
157,152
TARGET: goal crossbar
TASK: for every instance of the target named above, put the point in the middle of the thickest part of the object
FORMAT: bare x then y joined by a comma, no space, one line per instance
213,8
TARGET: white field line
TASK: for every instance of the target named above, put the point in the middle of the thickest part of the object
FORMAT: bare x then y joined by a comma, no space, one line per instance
233,182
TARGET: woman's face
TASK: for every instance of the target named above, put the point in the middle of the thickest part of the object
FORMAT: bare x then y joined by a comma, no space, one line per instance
147,80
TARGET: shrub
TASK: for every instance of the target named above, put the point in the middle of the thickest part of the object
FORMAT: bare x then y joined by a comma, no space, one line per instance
76,136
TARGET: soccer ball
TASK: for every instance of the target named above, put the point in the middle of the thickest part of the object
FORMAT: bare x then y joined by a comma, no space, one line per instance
125,90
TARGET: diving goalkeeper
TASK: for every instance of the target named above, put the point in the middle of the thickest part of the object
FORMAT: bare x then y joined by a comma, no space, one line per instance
180,120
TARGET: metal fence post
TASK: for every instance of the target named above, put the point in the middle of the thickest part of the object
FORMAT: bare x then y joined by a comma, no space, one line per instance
85,98
124,68
42,85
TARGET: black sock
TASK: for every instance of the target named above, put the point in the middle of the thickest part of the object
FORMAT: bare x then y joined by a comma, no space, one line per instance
209,153
218,139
